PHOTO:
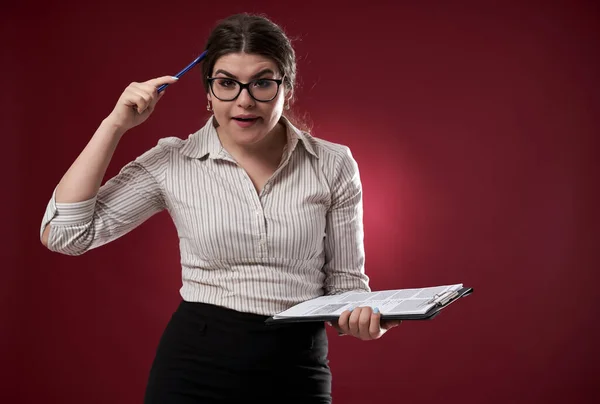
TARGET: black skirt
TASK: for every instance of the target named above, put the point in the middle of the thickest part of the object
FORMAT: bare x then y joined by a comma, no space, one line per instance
210,354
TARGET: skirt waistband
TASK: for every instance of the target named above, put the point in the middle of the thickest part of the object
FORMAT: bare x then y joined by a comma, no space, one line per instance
226,317
219,312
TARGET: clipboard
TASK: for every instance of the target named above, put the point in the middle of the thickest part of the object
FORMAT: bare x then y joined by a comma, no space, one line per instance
440,301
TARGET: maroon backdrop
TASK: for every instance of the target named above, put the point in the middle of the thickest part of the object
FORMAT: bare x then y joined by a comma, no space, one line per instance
475,128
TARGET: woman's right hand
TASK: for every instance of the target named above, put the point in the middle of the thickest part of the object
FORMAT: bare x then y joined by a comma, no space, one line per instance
137,103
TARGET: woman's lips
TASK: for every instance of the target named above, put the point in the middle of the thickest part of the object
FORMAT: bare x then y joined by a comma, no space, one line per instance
245,122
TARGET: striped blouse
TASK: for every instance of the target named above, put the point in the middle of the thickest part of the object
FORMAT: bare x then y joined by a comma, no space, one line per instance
299,238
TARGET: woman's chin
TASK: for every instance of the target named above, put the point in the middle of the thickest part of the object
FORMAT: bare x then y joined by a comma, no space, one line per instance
245,136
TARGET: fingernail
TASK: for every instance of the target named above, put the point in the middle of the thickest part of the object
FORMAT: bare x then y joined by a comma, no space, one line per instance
175,78
376,310
350,309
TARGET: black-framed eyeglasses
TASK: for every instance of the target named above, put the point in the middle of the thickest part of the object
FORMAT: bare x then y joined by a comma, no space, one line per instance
227,89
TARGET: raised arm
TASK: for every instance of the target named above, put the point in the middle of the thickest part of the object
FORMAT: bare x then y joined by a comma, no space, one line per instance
74,199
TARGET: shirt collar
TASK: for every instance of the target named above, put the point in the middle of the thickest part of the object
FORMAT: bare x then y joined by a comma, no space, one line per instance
294,134
206,141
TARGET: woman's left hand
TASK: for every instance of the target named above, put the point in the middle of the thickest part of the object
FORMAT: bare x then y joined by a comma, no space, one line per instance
364,323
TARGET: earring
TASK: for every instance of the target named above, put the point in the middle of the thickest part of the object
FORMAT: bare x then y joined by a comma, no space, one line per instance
209,106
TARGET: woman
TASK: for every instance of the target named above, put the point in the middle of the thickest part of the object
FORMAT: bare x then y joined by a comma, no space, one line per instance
267,216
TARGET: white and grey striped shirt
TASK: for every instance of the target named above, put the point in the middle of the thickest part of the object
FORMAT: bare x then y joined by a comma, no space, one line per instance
300,238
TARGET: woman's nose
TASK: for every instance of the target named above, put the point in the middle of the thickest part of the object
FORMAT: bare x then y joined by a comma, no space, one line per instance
244,100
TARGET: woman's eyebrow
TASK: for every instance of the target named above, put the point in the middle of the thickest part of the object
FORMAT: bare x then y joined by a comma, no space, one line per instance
257,75
262,73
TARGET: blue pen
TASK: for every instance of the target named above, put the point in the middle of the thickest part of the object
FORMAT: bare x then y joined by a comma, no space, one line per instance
181,73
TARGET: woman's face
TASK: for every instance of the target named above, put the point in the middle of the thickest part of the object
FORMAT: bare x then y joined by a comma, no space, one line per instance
245,120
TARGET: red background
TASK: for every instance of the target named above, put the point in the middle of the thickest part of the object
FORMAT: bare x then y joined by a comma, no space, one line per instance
475,128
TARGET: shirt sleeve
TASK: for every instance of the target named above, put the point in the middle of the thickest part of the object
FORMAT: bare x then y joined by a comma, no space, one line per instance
122,203
344,234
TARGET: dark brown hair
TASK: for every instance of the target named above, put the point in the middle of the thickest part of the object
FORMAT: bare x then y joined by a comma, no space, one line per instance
255,34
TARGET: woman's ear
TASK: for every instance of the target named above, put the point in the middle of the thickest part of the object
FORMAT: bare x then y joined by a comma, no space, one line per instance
209,106
289,95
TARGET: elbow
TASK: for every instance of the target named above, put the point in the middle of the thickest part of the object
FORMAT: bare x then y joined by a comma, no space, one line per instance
45,235
73,244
